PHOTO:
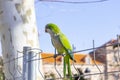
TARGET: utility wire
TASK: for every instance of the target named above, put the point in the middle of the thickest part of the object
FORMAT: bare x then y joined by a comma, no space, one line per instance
74,52
63,54
40,51
74,2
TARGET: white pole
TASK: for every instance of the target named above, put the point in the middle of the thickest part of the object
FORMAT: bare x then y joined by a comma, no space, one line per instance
17,29
31,66
106,65
25,64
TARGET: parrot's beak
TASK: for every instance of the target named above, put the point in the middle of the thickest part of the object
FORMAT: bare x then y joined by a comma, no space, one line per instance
45,30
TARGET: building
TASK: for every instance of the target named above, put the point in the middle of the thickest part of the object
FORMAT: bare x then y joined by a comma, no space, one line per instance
53,68
109,55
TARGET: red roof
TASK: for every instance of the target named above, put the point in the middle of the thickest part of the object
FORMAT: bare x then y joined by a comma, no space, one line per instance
80,58
48,58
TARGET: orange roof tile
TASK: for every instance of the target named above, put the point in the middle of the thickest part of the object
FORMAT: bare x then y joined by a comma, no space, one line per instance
48,58
80,58
97,62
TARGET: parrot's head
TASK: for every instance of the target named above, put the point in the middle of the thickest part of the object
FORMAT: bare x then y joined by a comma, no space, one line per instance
52,28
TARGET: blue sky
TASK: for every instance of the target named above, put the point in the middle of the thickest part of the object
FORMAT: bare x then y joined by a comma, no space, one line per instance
81,23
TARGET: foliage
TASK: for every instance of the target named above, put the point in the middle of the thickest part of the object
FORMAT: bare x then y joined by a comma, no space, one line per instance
50,76
2,77
79,76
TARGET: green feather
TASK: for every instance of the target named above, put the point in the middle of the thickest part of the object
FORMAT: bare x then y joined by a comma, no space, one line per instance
53,27
62,44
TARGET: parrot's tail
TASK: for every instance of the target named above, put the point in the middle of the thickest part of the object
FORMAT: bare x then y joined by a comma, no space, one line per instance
71,55
72,59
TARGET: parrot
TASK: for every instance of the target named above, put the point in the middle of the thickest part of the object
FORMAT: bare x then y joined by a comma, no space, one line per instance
61,43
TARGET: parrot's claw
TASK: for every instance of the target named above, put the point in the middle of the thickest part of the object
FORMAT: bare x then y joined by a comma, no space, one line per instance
55,55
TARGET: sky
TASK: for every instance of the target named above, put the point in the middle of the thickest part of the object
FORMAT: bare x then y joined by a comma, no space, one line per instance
81,23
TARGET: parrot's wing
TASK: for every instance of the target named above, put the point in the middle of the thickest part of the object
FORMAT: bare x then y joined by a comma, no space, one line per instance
64,41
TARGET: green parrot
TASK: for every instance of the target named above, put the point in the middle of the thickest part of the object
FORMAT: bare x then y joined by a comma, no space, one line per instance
62,45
